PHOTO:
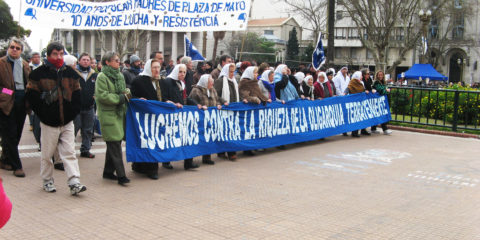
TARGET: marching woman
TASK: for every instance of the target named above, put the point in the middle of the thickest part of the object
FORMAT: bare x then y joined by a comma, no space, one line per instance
356,86
111,97
227,88
204,94
308,88
147,86
380,85
175,92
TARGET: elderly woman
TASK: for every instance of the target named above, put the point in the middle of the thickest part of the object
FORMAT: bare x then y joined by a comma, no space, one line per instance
111,97
267,86
286,86
249,89
356,86
175,92
204,94
148,86
323,87
227,88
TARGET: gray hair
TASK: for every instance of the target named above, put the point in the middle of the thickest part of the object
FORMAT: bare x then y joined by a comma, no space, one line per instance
185,60
35,53
17,41
108,57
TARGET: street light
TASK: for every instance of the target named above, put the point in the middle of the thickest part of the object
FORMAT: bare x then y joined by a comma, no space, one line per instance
461,63
425,18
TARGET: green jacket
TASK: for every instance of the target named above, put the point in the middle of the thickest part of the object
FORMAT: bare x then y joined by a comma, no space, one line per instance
381,89
111,103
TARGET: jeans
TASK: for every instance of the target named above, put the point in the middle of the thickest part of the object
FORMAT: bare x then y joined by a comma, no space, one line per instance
84,122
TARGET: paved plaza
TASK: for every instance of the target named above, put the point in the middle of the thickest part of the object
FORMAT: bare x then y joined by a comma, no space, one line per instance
403,186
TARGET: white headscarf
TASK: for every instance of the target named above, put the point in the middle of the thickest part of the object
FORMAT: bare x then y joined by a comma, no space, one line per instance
300,76
69,60
203,82
280,68
307,78
248,73
357,75
322,74
147,70
340,71
332,70
265,75
174,74
225,89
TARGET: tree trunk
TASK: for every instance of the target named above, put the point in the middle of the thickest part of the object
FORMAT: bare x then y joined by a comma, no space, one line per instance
204,45
331,33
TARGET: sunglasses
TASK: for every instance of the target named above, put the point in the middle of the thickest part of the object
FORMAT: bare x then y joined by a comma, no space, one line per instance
16,48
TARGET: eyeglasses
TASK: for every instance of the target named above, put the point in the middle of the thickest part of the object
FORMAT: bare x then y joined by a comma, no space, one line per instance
116,60
15,48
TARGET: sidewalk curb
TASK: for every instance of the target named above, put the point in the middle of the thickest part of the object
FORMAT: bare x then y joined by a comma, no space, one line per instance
437,132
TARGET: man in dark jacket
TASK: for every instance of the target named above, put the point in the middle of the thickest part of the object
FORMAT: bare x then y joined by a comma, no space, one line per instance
53,91
224,59
189,77
85,120
132,72
13,80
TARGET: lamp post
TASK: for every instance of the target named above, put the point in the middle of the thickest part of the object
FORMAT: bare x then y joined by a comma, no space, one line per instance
425,18
461,63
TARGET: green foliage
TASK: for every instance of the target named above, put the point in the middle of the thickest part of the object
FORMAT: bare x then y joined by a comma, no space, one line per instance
10,28
253,43
307,54
292,45
437,104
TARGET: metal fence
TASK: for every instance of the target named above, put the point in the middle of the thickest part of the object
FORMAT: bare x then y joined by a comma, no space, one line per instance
455,109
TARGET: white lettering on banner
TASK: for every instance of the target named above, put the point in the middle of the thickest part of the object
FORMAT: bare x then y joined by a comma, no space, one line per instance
365,110
159,15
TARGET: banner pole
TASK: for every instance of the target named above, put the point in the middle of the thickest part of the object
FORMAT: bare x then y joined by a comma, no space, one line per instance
19,17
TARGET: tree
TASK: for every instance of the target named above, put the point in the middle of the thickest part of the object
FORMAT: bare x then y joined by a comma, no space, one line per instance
10,28
127,41
386,24
217,36
252,43
310,11
307,54
331,32
292,45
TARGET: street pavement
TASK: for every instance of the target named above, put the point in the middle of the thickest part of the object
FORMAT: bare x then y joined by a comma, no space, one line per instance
403,186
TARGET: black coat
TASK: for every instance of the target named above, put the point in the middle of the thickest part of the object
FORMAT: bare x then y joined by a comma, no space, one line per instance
368,84
129,75
172,92
189,81
142,87
284,82
88,89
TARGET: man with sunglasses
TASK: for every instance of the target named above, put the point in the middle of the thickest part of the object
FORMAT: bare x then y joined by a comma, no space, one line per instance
14,72
53,91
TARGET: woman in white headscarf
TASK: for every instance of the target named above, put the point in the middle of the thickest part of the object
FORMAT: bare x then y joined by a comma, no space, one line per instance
204,93
307,87
266,84
286,86
249,89
176,93
227,88
226,85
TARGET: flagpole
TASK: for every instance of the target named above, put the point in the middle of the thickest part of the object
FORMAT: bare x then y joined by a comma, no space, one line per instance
19,17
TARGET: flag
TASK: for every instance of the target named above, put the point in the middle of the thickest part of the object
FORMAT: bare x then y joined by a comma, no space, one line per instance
318,56
191,51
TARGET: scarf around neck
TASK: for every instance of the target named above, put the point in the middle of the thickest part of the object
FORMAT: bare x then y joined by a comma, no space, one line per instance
17,72
116,77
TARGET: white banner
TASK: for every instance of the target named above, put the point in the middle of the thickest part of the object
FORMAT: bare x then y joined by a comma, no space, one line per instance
159,15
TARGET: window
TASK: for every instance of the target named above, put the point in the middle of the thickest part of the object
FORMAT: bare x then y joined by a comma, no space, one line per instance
353,53
338,53
340,33
339,15
433,28
458,4
353,33
267,32
369,54
399,34
458,27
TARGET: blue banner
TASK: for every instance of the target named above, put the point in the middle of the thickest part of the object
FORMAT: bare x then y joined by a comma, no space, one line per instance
161,132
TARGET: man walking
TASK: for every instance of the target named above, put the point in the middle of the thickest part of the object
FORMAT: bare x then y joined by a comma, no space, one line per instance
13,80
85,120
53,90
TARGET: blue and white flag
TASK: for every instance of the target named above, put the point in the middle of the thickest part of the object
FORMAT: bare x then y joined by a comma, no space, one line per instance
191,51
318,56
424,45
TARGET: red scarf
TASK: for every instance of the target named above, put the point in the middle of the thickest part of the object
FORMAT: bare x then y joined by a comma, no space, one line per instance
58,63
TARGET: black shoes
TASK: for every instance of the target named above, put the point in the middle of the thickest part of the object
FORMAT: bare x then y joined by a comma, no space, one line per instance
188,164
123,180
345,134
364,132
355,135
153,176
110,176
207,160
248,153
59,166
87,155
167,165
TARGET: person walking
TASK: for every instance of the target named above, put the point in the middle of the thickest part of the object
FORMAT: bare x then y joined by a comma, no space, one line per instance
86,118
53,91
14,72
204,94
111,97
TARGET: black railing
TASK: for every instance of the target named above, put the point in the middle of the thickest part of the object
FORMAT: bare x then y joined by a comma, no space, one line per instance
455,109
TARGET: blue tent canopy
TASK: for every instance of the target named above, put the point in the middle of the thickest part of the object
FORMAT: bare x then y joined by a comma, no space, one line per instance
424,71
